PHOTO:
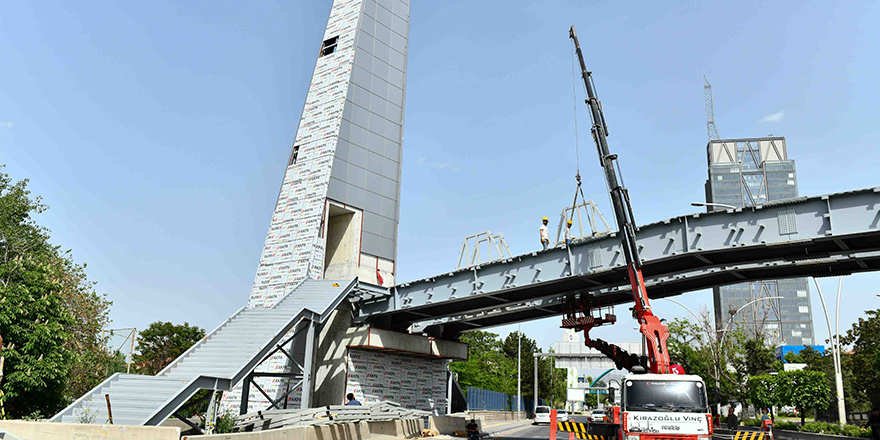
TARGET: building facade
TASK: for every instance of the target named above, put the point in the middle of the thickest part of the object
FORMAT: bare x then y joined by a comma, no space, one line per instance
744,173
337,211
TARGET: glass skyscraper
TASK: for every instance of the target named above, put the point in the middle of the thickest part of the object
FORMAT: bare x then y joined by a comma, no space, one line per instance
744,173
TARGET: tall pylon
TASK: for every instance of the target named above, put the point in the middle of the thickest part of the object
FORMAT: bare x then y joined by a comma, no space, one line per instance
710,110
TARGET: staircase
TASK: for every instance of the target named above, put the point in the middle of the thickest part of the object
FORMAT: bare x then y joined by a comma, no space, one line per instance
219,361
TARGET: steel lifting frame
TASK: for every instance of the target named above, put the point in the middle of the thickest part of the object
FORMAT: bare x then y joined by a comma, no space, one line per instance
493,241
592,214
306,368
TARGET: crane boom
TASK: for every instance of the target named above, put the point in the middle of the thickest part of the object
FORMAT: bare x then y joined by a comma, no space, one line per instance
650,326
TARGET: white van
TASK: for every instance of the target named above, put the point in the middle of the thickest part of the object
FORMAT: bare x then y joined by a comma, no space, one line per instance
542,415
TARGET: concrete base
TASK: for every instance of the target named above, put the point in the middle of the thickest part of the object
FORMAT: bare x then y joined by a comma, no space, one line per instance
397,429
410,428
76,431
447,425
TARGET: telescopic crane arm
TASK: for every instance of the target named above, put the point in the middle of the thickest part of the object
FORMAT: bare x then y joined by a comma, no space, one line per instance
655,331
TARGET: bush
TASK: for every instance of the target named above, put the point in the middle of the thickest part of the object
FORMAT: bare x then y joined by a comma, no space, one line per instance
791,426
817,427
825,428
855,431
225,423
750,422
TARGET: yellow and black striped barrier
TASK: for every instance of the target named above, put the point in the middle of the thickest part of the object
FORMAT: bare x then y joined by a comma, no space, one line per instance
749,435
580,430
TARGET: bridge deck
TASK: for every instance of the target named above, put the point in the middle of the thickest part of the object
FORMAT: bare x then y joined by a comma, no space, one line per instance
807,236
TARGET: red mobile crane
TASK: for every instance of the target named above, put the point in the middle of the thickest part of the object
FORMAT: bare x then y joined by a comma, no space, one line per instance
580,310
656,406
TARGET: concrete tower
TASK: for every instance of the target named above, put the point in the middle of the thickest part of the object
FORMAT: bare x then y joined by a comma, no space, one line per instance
337,211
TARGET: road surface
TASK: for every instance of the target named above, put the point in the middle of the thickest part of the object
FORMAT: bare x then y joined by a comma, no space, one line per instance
536,432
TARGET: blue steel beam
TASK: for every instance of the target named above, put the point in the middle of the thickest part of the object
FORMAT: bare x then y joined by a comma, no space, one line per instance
812,236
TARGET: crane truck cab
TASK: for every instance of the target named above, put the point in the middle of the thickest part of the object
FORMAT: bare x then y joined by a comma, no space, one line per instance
664,407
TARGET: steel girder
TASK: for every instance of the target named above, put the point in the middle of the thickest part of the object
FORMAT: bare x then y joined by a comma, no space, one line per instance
805,236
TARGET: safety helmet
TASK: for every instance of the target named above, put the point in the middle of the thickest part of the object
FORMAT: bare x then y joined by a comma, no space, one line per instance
569,222
544,219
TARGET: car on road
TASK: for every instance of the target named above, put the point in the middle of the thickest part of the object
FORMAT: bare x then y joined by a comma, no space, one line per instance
597,416
542,415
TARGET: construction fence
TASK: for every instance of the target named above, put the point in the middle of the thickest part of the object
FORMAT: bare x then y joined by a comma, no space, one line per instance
486,400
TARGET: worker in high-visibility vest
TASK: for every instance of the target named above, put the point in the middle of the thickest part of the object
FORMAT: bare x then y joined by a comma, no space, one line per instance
545,233
567,235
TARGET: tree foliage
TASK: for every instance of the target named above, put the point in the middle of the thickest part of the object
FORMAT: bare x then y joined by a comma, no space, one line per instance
759,357
486,364
161,343
865,365
803,389
721,361
91,362
817,361
492,365
33,321
50,314
762,391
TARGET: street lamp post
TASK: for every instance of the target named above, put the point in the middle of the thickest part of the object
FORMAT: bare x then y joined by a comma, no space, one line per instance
835,350
720,205
717,355
518,380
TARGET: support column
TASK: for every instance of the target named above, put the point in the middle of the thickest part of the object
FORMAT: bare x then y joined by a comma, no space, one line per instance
213,410
535,396
245,394
308,366
449,391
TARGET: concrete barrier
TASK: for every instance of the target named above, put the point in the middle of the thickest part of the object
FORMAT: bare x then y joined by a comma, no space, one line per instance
396,429
399,429
77,431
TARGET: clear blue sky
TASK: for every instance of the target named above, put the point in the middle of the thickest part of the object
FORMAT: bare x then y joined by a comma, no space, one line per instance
158,132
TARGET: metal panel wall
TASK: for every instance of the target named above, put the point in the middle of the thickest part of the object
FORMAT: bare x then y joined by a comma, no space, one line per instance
366,166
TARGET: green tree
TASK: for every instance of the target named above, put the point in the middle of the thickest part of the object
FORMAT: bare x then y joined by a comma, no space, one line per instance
91,361
865,365
759,357
491,365
698,348
33,320
803,389
762,391
551,381
816,361
486,364
50,314
161,343
527,348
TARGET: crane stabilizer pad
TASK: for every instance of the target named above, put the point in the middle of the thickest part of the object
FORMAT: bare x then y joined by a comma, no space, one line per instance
580,430
749,435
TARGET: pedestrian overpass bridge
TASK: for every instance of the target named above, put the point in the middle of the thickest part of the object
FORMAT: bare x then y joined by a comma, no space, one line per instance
830,235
